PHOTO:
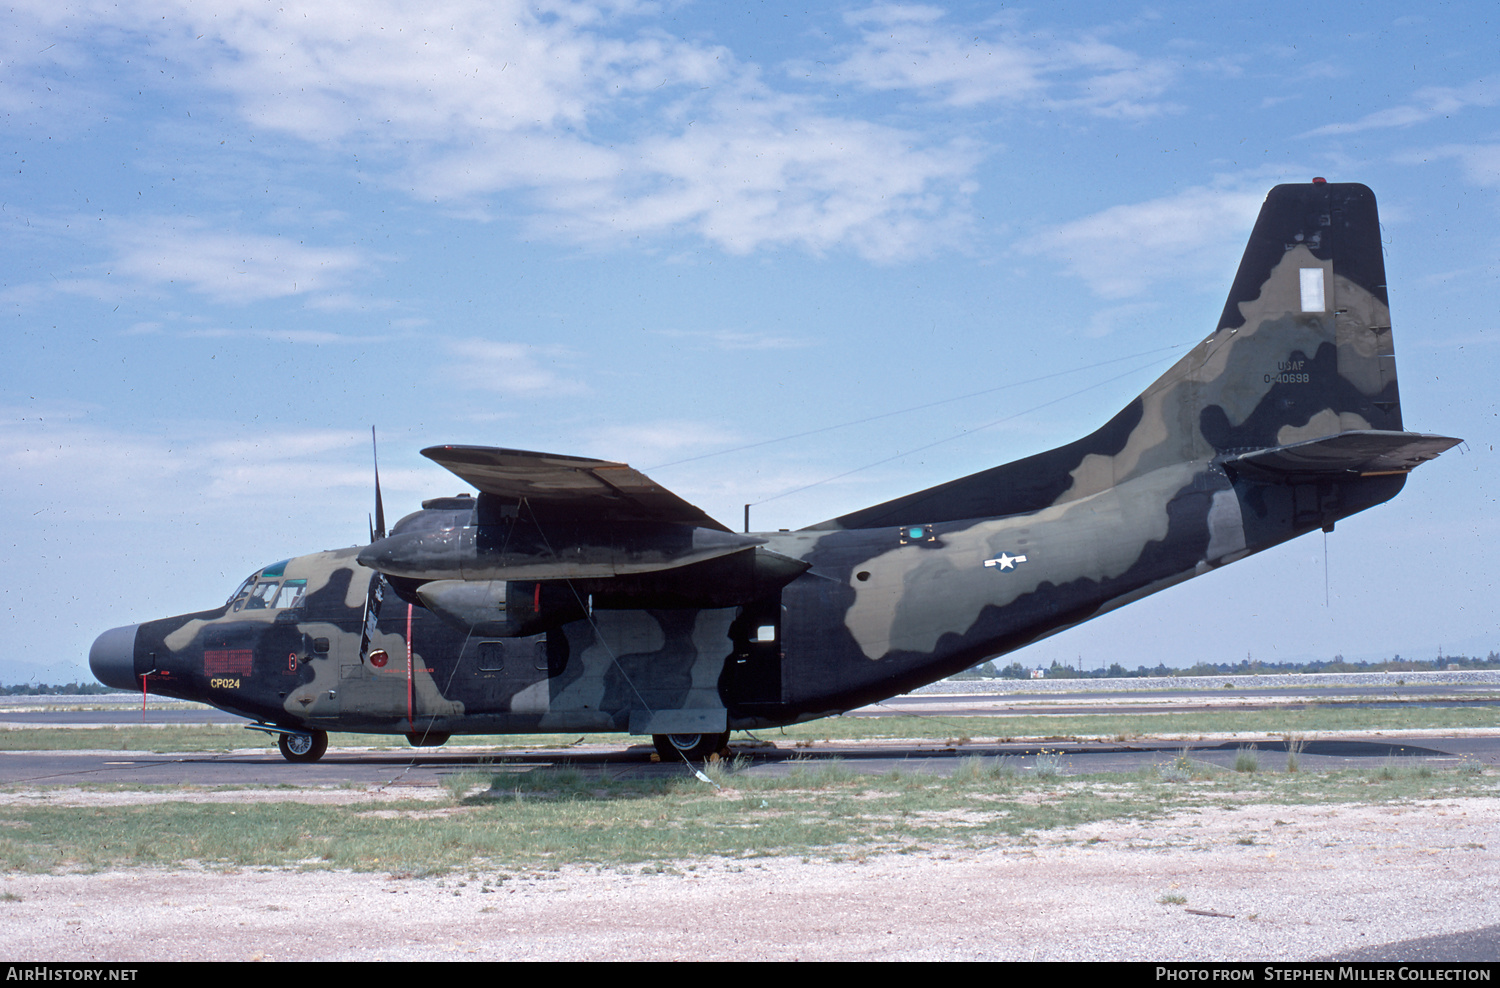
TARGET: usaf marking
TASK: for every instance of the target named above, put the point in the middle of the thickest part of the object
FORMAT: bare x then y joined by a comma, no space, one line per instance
1005,561
1289,372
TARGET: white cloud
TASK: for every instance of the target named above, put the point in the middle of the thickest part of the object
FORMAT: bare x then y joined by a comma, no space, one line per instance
45,55
309,337
58,459
614,128
194,255
643,444
1479,163
1105,321
279,462
1124,251
589,122
608,127
777,177
437,71
227,266
729,339
49,462
913,48
1425,104
510,369
905,47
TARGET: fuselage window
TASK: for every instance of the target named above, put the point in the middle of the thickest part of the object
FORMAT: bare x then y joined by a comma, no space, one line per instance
492,656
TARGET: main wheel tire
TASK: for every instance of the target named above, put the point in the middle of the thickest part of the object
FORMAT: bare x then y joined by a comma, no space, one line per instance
688,747
427,739
307,747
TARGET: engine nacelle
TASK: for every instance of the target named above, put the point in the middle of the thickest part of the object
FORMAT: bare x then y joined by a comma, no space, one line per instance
517,608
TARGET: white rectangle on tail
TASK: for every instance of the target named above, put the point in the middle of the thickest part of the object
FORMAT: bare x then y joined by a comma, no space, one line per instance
1312,290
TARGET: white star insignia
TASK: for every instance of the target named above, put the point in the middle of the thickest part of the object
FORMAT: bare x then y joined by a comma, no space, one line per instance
1005,561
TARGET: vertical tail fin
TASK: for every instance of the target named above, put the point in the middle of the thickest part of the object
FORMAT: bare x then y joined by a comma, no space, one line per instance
1304,346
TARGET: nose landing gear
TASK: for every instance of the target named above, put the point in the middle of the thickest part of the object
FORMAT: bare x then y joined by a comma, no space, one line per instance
303,747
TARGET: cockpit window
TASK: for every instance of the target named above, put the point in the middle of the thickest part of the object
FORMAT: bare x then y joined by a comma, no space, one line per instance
239,595
266,589
291,593
272,593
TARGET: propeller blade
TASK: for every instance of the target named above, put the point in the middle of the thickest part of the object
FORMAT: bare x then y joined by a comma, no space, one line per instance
378,531
375,596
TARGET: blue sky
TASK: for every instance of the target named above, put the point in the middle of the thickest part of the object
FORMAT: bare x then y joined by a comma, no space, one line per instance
237,234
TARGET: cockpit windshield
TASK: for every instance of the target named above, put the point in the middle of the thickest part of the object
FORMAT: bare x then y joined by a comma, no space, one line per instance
268,590
238,595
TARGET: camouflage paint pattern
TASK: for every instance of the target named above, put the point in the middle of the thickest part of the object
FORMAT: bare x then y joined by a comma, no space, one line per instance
655,637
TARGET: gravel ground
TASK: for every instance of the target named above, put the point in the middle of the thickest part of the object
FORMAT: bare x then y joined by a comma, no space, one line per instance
1257,882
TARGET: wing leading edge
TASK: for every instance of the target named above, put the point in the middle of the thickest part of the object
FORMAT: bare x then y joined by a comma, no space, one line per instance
581,487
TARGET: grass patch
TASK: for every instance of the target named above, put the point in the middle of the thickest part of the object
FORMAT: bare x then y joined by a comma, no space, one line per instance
1182,768
508,819
461,784
1295,745
204,737
1047,764
979,770
1393,769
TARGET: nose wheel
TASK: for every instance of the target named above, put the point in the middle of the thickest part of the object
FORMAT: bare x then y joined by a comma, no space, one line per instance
299,747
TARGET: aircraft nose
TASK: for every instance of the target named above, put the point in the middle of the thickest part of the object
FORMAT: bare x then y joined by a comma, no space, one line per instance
112,657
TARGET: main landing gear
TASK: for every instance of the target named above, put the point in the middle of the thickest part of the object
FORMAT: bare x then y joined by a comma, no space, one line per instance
689,747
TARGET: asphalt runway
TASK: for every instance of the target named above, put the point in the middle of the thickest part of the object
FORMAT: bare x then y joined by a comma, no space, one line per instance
766,753
626,760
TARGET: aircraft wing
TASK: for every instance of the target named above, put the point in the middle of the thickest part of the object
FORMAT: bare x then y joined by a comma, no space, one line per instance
1364,452
578,485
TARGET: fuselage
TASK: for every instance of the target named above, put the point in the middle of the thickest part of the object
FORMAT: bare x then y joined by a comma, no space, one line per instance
877,612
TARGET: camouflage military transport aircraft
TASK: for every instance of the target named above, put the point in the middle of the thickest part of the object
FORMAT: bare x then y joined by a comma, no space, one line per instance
576,595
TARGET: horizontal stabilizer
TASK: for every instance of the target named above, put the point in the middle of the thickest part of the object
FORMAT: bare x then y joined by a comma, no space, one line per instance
1359,452
579,486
